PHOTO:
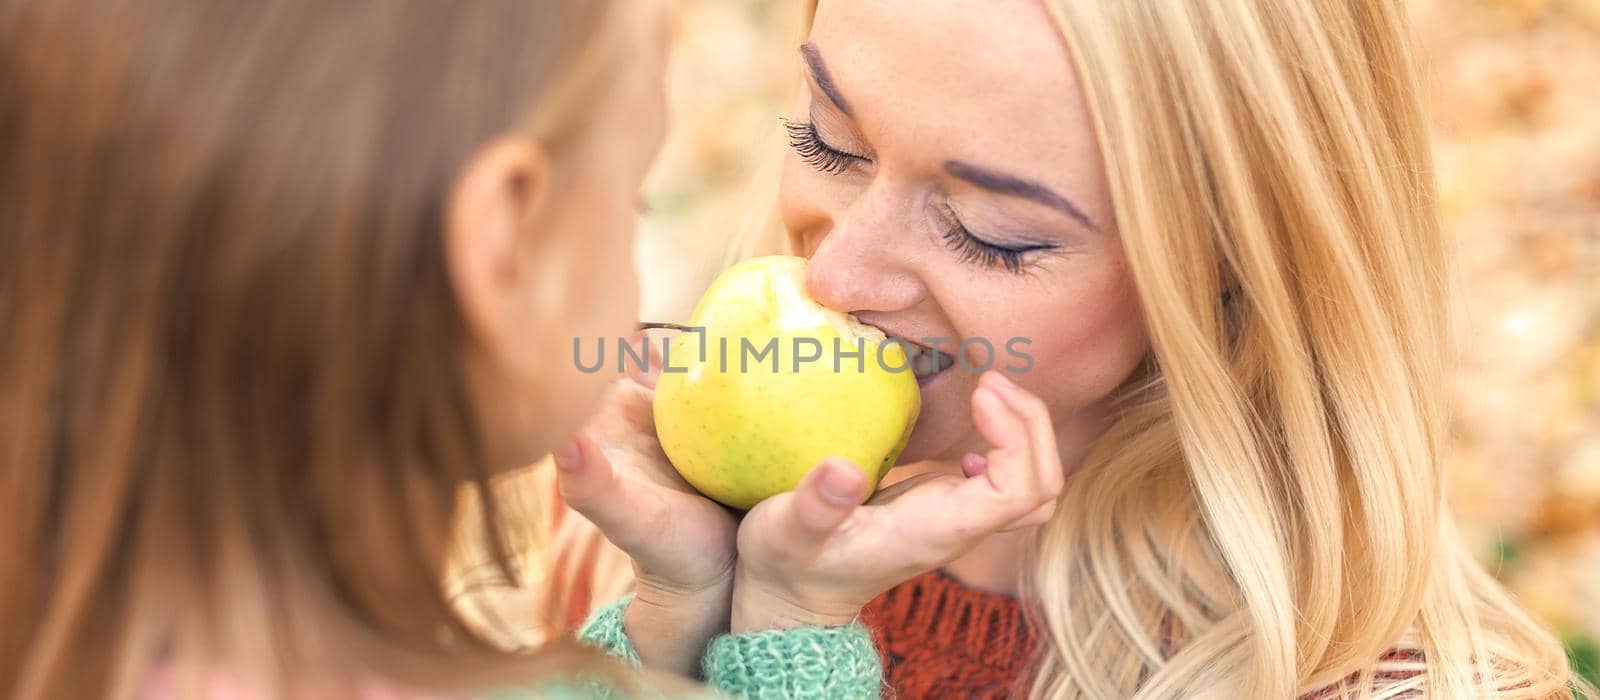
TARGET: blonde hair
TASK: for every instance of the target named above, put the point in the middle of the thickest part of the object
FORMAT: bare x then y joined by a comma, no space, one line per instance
234,411
1265,517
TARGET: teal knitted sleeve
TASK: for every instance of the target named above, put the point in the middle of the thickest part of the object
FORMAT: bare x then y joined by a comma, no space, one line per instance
807,662
604,630
802,663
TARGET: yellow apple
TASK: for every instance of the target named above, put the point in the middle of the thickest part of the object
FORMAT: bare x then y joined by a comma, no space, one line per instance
741,424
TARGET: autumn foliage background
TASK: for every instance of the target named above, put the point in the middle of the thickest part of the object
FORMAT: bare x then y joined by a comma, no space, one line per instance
1514,89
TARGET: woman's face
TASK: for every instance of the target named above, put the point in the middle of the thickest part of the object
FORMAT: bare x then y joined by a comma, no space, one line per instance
945,182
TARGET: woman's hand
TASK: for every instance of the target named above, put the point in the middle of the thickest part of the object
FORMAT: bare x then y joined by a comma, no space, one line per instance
681,543
814,557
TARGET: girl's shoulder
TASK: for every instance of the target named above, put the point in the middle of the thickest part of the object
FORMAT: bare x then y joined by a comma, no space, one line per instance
168,683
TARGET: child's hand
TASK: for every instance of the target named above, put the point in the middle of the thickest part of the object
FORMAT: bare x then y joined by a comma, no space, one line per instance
813,557
681,543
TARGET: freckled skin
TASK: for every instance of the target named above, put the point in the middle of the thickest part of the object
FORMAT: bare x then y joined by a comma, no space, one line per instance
741,436
875,229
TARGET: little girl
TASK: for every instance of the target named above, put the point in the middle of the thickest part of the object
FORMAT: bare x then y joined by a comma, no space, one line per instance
276,280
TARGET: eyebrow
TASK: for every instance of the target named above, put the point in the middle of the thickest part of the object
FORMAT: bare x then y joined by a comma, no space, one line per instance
819,73
1016,186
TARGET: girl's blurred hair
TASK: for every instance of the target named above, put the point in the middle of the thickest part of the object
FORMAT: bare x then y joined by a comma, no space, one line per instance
233,410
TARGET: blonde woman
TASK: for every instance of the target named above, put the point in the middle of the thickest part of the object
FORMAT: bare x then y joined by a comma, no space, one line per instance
1211,223
276,279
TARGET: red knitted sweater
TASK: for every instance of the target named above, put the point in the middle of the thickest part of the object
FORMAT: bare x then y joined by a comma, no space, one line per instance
941,639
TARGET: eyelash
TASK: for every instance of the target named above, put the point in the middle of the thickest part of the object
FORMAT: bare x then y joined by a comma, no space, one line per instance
972,249
806,142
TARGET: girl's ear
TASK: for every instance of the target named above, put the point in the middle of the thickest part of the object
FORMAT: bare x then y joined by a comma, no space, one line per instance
495,196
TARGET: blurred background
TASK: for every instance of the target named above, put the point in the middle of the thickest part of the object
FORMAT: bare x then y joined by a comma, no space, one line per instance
1515,95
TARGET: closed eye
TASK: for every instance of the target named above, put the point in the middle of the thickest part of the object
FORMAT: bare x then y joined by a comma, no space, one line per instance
973,249
808,144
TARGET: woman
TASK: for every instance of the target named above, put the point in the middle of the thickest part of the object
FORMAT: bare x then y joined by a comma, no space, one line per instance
1214,224
277,279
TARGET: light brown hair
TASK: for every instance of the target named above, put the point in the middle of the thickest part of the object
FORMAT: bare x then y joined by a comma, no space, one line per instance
233,410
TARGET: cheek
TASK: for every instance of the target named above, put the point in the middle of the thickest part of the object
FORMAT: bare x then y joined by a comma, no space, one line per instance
808,203
603,297
599,293
797,208
584,287
1087,342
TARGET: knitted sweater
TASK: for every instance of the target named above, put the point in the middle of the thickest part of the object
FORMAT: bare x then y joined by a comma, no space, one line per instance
941,639
799,663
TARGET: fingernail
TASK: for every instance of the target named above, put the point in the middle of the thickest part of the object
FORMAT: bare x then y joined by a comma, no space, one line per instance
1005,391
1001,381
973,464
840,487
988,393
570,454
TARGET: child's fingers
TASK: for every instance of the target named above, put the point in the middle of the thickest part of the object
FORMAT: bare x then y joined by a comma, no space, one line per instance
888,494
808,516
1049,474
646,348
826,496
1016,476
1035,518
974,464
1007,466
589,484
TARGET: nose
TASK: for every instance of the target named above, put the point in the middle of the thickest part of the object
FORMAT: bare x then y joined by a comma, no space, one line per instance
861,264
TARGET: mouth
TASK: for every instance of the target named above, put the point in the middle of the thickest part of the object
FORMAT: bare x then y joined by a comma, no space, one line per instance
926,362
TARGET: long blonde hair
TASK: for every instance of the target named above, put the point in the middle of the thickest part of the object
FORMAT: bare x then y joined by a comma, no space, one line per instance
233,407
1265,517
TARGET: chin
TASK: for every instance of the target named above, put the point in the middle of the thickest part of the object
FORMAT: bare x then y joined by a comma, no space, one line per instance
939,438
